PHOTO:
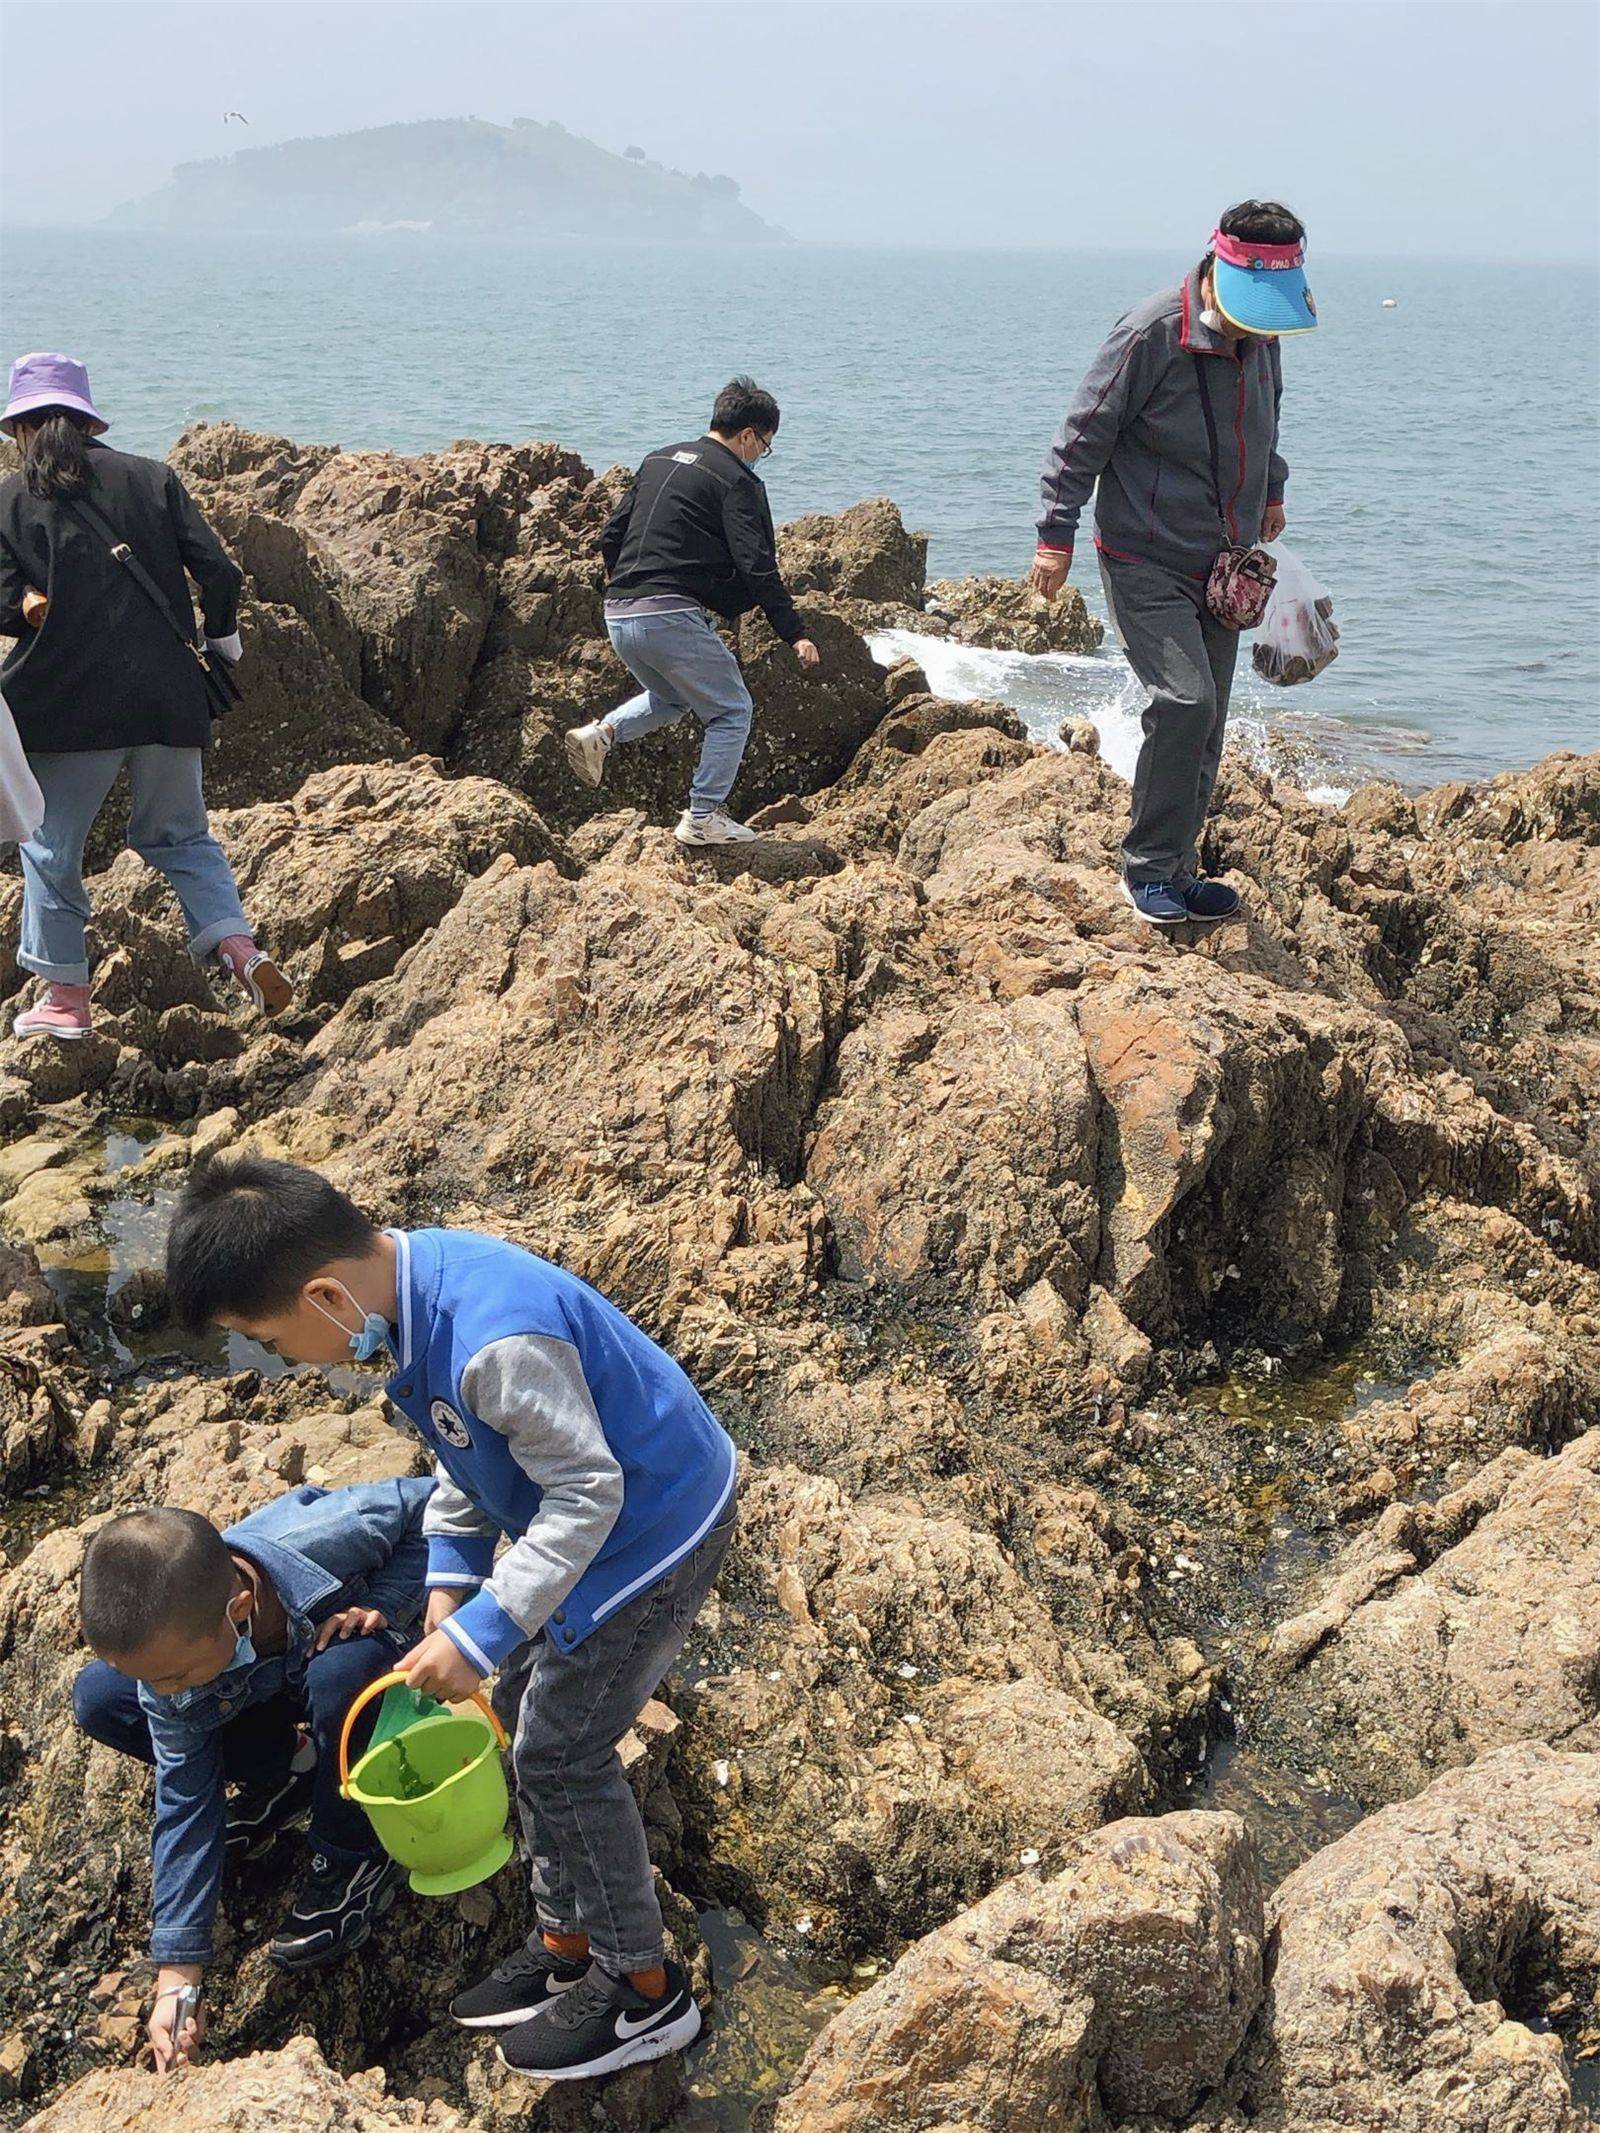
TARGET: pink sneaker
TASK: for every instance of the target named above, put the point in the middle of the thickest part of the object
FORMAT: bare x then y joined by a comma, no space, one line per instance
62,1013
260,976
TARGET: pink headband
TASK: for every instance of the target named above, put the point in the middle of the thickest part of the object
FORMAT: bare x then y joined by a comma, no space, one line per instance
1238,253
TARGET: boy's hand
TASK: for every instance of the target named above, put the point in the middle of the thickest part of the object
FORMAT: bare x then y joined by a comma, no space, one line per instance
440,1668
443,1600
169,2050
350,1622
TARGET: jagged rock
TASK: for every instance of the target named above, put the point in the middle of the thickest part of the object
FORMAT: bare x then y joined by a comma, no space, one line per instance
1410,1957
345,878
927,1160
1464,1625
1006,615
493,1071
299,712
25,1295
864,554
294,2090
1120,1988
848,1758
402,551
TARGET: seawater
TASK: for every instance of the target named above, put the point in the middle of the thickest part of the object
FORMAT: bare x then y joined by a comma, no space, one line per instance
1444,455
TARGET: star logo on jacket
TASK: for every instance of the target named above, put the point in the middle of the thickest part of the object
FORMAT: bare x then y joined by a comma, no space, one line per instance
449,1424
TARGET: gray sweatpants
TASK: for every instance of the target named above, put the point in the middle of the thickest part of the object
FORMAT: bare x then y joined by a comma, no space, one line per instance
566,1712
1186,661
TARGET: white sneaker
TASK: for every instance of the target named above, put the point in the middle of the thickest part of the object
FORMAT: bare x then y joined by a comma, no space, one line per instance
718,827
587,748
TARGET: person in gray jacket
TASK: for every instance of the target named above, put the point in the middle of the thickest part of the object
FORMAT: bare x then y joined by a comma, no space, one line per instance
1171,491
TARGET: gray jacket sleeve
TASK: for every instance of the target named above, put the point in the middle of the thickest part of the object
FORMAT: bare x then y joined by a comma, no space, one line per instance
1277,466
461,1539
1114,388
531,1387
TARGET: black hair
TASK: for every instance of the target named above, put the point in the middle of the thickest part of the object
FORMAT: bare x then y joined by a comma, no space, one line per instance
1258,222
249,1234
150,1571
55,464
742,405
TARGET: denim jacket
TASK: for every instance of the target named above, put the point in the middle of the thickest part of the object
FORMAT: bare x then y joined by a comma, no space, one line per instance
323,1550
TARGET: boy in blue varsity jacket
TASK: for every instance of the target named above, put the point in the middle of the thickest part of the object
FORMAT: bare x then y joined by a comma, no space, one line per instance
556,1426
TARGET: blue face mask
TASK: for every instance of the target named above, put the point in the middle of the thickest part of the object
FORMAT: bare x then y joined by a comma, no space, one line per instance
244,1652
373,1336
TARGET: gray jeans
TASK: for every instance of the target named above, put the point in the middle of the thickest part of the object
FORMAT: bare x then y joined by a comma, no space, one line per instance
566,1712
682,666
1186,661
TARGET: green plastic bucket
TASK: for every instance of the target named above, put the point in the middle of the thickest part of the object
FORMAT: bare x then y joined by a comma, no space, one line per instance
434,1791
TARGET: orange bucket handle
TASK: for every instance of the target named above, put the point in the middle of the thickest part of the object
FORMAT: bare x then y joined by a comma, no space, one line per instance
376,1688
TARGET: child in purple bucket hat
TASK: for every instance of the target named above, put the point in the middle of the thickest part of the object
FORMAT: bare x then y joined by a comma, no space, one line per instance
97,548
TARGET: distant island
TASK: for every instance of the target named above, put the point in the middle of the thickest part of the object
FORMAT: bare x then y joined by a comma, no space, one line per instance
450,177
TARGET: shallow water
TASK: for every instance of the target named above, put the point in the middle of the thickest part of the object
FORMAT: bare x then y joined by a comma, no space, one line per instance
765,2014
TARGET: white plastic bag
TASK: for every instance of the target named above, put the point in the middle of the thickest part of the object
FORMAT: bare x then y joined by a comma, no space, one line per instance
1298,635
21,801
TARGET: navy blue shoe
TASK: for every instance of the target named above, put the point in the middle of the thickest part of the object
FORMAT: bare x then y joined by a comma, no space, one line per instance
1210,901
1159,903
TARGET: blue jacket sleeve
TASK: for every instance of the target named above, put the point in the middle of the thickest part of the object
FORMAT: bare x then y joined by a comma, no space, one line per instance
188,1842
392,1513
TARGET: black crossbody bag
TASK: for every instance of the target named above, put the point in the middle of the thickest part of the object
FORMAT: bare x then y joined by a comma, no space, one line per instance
222,691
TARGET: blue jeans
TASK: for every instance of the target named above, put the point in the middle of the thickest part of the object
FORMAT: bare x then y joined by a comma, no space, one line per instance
167,827
681,665
258,1744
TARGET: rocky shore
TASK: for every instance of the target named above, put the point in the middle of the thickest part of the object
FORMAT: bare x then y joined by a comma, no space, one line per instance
1157,1682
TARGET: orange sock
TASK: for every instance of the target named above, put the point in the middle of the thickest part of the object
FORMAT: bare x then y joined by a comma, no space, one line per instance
572,1947
652,1983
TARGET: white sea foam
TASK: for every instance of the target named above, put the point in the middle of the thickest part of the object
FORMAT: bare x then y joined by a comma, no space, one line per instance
1043,688
1047,688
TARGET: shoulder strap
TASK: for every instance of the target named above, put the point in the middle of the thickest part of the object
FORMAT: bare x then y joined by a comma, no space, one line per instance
87,515
1211,435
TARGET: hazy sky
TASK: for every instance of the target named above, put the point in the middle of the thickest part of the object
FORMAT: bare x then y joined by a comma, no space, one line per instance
1393,129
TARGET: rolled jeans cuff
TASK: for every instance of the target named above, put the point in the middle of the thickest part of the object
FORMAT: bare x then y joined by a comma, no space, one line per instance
58,974
623,1965
205,945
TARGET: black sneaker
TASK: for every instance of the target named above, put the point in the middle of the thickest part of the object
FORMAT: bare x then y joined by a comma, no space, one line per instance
256,1817
335,1910
521,1986
602,2024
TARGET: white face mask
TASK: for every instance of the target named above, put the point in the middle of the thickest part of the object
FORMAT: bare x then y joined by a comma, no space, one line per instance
1214,322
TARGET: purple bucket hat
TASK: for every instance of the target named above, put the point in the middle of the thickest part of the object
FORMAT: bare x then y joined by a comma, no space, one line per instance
48,381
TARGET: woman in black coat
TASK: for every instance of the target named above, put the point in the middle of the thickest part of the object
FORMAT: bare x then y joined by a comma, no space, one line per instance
99,679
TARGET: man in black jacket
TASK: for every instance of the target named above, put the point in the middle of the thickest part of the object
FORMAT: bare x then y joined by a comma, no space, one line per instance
693,539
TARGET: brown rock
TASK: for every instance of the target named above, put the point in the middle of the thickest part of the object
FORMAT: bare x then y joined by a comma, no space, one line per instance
1120,1988
1426,1655
1005,615
864,553
1411,1954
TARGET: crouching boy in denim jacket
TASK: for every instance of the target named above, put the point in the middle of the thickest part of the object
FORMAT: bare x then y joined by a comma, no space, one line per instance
215,1649
560,1427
